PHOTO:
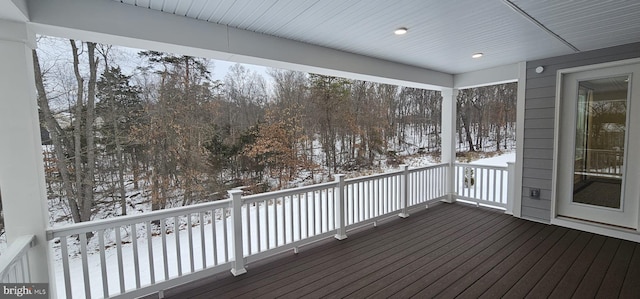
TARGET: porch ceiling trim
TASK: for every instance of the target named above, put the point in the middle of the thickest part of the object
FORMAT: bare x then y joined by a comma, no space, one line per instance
496,75
110,22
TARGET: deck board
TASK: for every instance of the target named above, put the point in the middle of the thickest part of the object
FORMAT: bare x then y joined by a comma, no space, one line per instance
549,281
446,251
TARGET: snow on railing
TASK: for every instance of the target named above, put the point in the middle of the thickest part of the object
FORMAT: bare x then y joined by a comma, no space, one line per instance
482,184
14,262
140,254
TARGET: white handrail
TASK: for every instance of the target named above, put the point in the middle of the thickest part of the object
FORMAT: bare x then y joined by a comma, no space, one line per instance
95,225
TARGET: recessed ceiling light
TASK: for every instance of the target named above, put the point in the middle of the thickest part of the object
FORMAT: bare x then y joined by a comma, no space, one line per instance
401,31
477,55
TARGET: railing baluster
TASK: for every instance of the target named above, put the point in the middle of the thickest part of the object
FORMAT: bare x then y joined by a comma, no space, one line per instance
163,232
313,213
103,264
258,226
291,223
225,234
203,246
370,201
190,238
502,177
351,209
136,264
479,183
388,194
119,253
325,212
25,269
284,221
267,224
300,216
247,212
377,197
214,235
152,274
275,223
176,233
85,265
65,266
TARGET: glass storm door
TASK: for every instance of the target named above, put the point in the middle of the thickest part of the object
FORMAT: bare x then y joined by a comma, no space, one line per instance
598,178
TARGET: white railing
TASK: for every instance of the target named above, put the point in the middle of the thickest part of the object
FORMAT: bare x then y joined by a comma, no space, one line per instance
277,221
14,262
140,254
482,184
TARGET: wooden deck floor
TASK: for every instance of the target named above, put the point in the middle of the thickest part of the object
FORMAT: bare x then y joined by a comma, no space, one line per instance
446,251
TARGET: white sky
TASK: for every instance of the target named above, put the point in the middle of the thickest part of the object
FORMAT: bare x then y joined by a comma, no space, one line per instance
52,50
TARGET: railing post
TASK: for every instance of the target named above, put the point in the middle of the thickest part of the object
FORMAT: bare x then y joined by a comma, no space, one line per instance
404,191
511,186
237,267
341,231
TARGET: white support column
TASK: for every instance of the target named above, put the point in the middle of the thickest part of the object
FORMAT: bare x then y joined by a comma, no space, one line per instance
520,107
21,168
404,191
341,231
237,267
448,138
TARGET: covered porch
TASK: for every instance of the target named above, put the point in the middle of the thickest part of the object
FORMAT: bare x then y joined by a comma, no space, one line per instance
457,250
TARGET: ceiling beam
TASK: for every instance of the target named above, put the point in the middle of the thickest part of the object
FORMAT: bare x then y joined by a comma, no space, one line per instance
111,22
544,28
491,76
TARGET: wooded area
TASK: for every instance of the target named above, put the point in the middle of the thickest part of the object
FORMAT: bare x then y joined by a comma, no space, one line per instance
166,131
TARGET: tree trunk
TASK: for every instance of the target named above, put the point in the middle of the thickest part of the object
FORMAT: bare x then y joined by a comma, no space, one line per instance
77,131
57,139
89,178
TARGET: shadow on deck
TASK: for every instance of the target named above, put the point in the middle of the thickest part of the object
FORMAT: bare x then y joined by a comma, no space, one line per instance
449,250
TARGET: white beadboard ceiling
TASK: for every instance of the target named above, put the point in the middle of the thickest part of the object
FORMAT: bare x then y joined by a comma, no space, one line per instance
442,34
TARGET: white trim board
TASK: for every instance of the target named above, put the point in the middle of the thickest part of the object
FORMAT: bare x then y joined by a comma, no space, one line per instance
595,228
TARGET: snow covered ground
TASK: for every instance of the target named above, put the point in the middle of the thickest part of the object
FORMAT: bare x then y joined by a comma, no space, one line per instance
500,160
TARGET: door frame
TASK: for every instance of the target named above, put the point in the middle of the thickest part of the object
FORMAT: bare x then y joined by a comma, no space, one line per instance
623,233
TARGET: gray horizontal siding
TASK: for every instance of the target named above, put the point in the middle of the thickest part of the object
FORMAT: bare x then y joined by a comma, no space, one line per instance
538,163
535,214
541,143
540,93
540,118
538,133
536,203
542,112
539,123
